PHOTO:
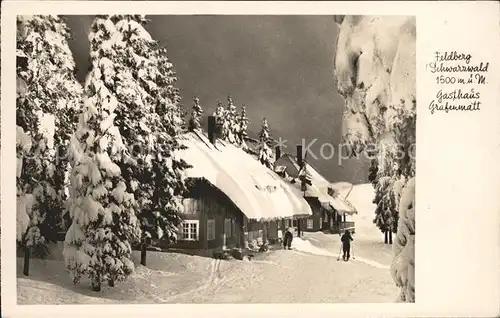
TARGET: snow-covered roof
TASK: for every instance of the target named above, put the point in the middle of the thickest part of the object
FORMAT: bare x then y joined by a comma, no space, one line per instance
320,185
256,190
343,188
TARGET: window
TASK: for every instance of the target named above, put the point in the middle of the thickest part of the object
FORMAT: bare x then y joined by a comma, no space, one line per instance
233,227
309,224
210,230
227,227
190,230
287,222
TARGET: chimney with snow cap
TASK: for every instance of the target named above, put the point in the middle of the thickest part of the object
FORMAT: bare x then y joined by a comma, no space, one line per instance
212,129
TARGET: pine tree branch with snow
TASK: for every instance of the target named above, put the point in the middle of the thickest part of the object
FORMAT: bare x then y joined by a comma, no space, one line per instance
170,92
24,200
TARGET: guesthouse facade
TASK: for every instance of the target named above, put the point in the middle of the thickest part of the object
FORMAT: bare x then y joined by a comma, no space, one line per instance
233,200
330,208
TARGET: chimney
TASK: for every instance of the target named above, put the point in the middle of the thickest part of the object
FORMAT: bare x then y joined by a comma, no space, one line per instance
277,149
211,129
299,155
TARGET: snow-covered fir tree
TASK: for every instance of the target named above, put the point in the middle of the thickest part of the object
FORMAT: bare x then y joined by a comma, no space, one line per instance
394,151
32,157
265,152
104,226
243,123
220,119
47,115
196,115
134,65
167,82
386,214
230,126
161,218
150,119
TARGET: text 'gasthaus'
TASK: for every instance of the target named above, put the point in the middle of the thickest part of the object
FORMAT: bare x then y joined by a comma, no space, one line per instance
457,68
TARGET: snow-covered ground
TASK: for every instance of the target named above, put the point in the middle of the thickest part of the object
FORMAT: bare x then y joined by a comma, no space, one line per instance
166,274
310,273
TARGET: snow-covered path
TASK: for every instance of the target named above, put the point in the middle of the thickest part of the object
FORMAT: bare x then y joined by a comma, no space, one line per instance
310,273
334,250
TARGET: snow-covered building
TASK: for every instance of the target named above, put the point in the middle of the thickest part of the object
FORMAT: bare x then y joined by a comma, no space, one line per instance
233,200
328,200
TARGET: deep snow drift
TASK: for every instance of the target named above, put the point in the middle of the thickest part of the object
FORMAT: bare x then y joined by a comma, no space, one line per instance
361,197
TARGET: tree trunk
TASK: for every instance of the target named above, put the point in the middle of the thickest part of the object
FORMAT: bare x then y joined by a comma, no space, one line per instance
143,253
111,283
390,237
27,255
96,284
386,237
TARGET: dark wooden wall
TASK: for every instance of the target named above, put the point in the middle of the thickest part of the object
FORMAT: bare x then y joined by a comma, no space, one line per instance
316,217
206,202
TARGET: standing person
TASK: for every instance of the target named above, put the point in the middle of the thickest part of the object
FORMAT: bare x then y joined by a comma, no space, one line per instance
346,245
285,239
287,242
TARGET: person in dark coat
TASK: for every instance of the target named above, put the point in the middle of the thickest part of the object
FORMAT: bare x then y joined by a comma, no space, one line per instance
346,245
287,241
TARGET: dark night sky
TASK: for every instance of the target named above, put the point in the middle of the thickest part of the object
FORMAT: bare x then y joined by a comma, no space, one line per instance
279,66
